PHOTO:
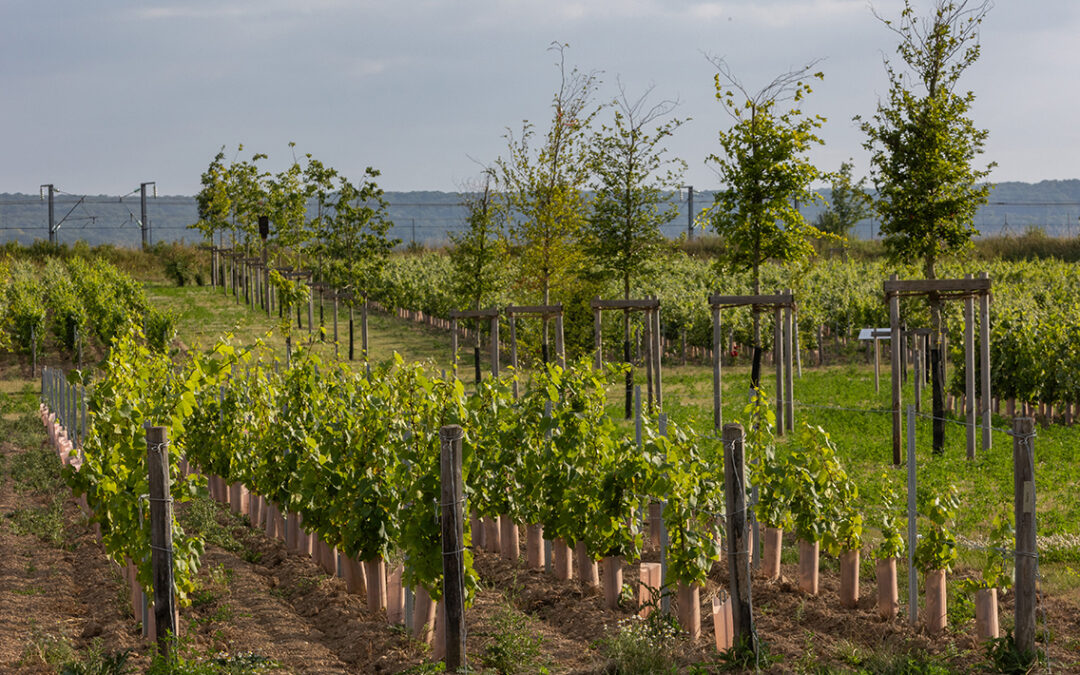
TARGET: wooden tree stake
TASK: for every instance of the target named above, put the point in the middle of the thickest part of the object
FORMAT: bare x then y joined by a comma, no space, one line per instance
738,545
1027,563
453,537
161,521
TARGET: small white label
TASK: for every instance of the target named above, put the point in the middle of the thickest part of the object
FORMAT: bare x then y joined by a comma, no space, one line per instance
1029,496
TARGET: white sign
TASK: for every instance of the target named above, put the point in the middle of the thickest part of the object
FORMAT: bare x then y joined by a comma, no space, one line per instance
871,333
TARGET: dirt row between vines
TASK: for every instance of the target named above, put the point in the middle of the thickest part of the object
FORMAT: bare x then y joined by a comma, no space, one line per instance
260,598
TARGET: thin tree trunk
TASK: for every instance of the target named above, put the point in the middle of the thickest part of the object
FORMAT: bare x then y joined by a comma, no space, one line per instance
937,372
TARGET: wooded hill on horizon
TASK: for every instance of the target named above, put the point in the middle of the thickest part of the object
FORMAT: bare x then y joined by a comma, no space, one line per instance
426,217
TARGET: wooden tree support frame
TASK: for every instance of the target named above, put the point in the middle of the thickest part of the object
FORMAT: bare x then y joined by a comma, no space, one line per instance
783,306
545,312
490,314
966,289
653,342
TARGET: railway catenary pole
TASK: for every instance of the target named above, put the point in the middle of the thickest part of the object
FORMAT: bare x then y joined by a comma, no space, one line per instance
52,212
144,214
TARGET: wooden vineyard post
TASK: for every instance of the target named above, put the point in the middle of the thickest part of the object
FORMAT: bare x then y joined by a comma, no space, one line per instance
560,339
797,350
453,542
364,329
161,520
598,357
738,546
789,370
658,351
984,363
352,341
337,346
778,358
310,309
718,397
495,345
453,344
913,514
512,320
969,372
916,362
665,595
1027,562
647,344
894,348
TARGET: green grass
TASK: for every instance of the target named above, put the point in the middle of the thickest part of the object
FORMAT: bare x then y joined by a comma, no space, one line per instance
513,646
200,516
204,314
841,399
46,523
19,424
37,470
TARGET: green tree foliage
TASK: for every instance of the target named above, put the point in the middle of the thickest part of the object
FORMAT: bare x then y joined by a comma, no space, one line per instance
286,207
923,146
848,203
214,199
319,182
923,140
358,240
479,253
632,183
764,170
544,185
247,195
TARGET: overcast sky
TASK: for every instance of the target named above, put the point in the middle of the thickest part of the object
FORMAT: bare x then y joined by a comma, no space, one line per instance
99,96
